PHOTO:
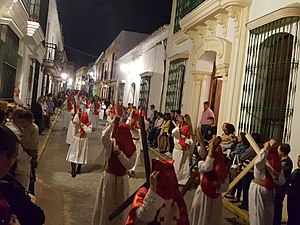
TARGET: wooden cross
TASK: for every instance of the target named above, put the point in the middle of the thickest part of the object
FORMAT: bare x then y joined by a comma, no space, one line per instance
129,200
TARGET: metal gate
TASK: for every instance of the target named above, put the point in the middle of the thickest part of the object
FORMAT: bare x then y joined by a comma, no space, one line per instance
175,84
269,88
9,64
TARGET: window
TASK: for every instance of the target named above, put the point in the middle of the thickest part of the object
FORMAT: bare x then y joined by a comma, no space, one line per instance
8,68
175,84
270,79
144,92
121,92
183,8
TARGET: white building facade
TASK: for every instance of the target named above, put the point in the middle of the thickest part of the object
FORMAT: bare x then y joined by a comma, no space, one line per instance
21,48
242,56
55,60
141,72
125,41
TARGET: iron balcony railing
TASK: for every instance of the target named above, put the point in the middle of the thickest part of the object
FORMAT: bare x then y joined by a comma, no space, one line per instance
183,8
52,55
33,9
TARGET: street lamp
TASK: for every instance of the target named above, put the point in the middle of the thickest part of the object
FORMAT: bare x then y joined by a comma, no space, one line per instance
64,76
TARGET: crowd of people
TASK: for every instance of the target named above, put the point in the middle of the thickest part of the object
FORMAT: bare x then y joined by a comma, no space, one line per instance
218,160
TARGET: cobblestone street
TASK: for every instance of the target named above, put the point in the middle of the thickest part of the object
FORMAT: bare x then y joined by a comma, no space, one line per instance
70,201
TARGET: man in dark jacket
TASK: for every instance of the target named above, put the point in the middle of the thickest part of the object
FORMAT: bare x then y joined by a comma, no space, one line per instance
21,203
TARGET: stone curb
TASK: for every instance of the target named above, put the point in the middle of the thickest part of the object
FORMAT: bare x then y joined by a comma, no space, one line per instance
47,137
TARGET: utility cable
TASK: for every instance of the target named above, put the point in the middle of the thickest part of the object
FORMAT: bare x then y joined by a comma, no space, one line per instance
84,53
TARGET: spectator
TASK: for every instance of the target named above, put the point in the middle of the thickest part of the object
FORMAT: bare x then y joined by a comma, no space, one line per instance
51,106
8,155
3,110
280,191
211,130
294,196
30,141
246,158
156,130
240,148
22,170
172,126
207,112
17,98
163,139
38,115
228,139
152,109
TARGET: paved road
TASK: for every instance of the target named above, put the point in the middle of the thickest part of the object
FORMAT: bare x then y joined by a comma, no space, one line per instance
70,201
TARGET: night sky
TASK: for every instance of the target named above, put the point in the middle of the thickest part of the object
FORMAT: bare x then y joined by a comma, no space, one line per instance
91,25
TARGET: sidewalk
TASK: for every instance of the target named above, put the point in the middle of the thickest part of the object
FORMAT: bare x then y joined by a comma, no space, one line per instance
50,200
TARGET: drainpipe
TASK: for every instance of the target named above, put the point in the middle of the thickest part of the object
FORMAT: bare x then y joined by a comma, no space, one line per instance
164,74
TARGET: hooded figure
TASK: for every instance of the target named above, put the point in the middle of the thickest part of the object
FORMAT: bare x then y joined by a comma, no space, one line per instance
78,150
261,191
207,204
162,204
181,153
114,185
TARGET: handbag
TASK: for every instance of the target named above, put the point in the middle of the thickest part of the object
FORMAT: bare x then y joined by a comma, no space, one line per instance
235,168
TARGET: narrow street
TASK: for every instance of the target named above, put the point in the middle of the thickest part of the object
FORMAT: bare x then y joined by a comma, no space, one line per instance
70,201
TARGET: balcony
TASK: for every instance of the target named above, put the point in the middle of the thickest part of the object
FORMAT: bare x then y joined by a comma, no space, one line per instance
52,59
33,9
183,8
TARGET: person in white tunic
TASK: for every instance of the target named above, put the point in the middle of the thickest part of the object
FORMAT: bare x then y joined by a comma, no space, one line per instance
207,203
261,191
71,128
181,153
67,113
134,121
162,203
78,150
114,185
95,109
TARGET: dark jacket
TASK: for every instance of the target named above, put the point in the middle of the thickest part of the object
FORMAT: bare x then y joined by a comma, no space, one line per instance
26,211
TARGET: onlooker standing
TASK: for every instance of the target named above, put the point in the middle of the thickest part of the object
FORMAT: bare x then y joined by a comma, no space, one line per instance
152,108
294,196
38,115
280,191
30,142
3,109
51,106
211,130
207,112
246,158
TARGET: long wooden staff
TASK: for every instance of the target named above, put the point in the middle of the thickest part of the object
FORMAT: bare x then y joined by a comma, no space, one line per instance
257,150
129,200
194,175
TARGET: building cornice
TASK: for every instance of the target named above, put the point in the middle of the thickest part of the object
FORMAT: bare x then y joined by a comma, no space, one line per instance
34,35
209,11
288,11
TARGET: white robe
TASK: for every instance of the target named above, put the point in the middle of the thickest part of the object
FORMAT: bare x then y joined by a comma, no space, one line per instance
67,117
151,204
206,210
70,133
113,190
261,200
78,150
181,161
136,134
93,118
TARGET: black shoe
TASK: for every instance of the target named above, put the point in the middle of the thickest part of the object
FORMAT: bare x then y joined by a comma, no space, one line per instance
73,173
235,200
243,207
79,168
